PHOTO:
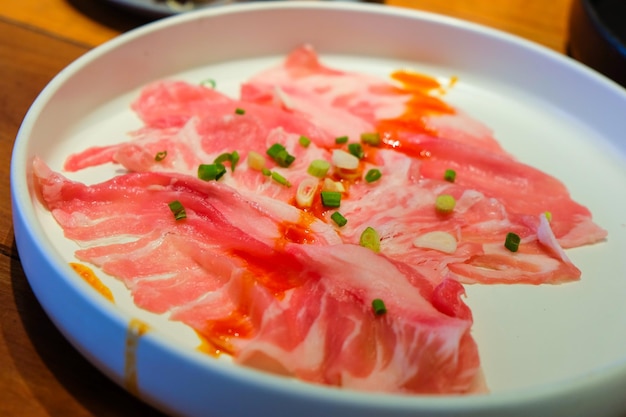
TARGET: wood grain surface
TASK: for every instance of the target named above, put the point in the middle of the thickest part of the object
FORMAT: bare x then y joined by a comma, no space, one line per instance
40,372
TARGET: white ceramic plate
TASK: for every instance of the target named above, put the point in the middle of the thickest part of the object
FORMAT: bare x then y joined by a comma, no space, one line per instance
546,350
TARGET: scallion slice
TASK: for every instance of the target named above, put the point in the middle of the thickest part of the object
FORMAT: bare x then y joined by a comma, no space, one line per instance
339,219
222,158
208,172
284,159
378,306
256,160
341,140
232,157
266,172
370,239
356,149
331,198
307,189
304,141
372,138
373,175
319,168
445,203
279,154
160,156
280,179
240,111
512,241
209,82
548,216
449,175
273,150
177,209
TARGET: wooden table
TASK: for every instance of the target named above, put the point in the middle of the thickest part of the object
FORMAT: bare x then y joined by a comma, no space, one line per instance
40,372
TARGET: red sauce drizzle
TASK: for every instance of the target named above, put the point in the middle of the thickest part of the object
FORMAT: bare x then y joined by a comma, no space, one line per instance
299,232
421,104
92,279
277,270
217,334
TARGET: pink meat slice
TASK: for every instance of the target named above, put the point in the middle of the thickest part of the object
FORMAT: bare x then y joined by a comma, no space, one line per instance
448,140
401,207
194,123
352,103
525,192
310,318
496,193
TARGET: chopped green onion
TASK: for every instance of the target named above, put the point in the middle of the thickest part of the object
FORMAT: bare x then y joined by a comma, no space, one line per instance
284,159
208,172
273,150
344,160
240,111
232,157
341,139
356,149
210,82
318,168
372,139
373,175
331,198
266,172
222,158
330,185
279,154
160,156
177,209
280,179
548,216
305,194
445,203
512,242
370,239
256,160
378,306
304,141
339,219
449,175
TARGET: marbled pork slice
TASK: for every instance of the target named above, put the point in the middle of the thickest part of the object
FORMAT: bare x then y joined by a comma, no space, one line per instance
172,110
268,299
351,103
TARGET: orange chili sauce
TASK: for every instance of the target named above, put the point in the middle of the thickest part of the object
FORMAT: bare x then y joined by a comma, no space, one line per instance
217,334
422,103
92,279
136,329
216,337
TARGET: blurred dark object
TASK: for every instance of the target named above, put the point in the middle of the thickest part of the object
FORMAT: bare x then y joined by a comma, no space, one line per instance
156,9
597,36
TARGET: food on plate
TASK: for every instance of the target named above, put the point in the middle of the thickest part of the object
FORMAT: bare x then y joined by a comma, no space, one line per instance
322,224
230,271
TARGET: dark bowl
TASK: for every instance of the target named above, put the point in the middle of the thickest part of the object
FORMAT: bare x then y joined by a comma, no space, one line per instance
597,36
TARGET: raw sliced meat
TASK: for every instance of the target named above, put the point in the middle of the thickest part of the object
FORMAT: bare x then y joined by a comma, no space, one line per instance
496,193
196,123
277,283
311,317
401,207
412,120
350,103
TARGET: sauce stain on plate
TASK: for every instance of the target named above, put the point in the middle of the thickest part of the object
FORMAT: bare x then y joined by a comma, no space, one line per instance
92,279
136,329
